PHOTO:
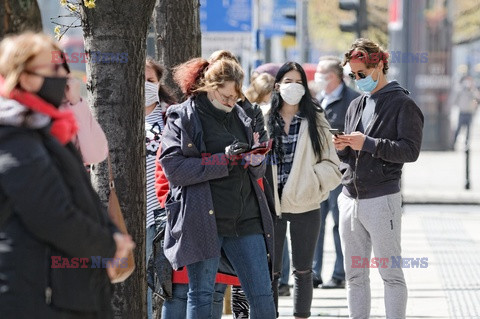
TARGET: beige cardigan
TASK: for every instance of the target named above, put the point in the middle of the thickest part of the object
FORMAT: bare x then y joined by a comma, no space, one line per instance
310,180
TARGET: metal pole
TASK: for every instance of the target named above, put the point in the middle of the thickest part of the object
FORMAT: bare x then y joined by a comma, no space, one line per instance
256,45
302,31
467,166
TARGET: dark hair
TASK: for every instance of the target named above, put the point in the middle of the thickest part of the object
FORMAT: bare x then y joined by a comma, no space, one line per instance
368,52
164,92
308,107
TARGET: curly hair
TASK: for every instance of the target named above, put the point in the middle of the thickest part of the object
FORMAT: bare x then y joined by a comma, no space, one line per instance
368,52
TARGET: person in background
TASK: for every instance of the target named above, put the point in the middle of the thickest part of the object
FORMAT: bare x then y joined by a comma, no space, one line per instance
306,170
270,68
157,100
90,139
50,212
466,99
383,130
260,92
215,204
334,98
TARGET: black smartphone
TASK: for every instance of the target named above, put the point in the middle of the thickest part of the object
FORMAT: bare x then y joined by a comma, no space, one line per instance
336,131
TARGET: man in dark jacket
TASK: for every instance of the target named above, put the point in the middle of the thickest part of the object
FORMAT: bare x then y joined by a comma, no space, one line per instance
335,97
383,130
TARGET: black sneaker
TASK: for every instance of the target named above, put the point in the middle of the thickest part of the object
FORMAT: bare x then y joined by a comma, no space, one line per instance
284,290
317,282
334,284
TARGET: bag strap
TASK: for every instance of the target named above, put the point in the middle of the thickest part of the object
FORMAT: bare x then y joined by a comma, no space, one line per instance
111,182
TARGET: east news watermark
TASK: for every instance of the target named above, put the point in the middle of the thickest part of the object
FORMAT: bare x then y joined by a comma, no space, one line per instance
59,57
391,57
85,262
392,262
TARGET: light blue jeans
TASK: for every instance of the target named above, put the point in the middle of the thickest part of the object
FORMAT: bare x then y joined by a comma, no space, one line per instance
248,256
176,308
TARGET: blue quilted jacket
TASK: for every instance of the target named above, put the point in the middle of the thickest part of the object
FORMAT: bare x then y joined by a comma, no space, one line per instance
191,231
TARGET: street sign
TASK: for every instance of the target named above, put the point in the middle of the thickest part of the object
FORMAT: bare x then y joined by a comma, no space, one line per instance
226,15
280,19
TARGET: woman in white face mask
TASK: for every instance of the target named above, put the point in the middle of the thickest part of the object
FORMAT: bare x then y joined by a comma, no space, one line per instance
305,170
157,99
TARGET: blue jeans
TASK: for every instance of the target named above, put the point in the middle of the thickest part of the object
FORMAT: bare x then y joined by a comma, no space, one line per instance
248,256
150,234
330,204
176,308
285,265
464,120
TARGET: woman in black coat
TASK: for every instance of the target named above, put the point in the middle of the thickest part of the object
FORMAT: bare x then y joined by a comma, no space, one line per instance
52,223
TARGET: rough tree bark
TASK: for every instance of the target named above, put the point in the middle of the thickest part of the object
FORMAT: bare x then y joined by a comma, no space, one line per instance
177,27
116,92
19,15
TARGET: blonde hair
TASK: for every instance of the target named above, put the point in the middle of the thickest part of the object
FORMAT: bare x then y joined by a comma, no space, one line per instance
260,88
16,51
222,54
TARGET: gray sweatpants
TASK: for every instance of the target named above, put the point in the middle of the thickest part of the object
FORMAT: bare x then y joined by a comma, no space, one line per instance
375,223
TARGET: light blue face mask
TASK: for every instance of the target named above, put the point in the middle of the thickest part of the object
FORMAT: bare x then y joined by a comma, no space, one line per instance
367,84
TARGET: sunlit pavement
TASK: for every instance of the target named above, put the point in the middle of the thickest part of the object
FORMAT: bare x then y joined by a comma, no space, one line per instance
448,235
448,288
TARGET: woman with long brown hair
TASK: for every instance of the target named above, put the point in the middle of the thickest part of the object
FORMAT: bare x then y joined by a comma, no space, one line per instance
215,203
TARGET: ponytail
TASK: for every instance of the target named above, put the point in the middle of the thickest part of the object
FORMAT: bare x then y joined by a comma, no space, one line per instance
188,75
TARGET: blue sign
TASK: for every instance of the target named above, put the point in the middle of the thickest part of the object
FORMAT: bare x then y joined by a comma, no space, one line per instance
225,15
280,22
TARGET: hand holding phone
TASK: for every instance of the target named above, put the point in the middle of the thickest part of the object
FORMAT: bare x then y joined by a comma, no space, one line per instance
336,131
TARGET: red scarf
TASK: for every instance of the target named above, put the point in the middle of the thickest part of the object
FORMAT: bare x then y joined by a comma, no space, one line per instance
64,126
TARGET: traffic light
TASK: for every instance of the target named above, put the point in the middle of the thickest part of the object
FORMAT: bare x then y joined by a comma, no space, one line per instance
360,23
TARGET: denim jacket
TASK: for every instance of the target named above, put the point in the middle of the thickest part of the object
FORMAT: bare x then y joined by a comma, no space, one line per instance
191,231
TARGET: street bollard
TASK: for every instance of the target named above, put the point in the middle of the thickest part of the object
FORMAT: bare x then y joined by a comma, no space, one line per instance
467,167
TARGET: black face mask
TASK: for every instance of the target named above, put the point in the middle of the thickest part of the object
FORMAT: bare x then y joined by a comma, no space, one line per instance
53,90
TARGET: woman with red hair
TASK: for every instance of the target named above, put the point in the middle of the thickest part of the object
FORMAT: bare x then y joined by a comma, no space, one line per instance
215,203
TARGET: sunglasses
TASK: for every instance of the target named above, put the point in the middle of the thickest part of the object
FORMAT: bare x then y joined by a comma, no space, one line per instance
361,75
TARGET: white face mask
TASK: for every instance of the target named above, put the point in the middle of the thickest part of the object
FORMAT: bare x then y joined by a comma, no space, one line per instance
321,81
151,93
221,107
292,92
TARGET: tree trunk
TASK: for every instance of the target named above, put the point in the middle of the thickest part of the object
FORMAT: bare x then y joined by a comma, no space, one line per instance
177,27
116,92
19,15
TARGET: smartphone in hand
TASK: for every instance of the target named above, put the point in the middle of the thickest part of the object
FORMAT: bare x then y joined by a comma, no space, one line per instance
336,131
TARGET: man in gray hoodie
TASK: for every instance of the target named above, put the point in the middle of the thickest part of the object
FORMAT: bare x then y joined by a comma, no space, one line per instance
383,130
